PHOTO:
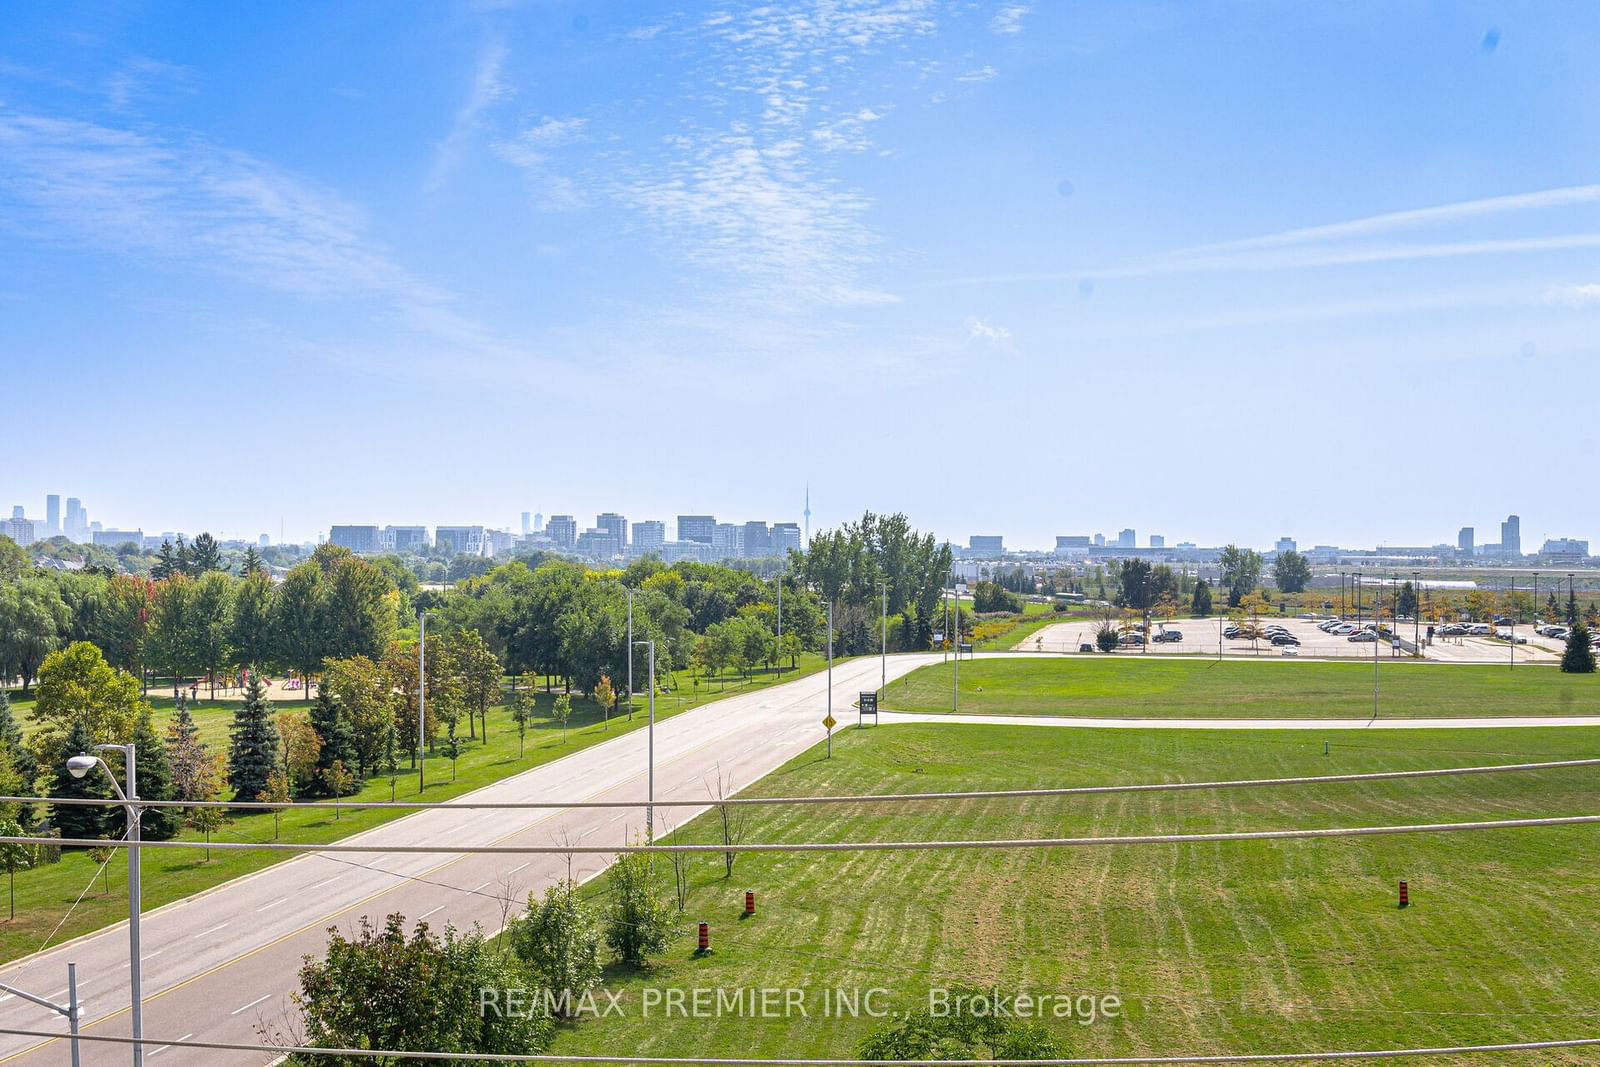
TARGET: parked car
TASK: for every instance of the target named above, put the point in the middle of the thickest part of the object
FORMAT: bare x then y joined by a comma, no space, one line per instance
1085,647
1285,639
1131,639
1343,629
1166,636
1362,635
1290,650
1454,629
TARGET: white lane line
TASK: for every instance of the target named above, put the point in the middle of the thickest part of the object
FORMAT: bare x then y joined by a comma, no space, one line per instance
425,914
164,1048
484,886
318,885
213,930
518,867
615,818
274,904
153,955
250,1005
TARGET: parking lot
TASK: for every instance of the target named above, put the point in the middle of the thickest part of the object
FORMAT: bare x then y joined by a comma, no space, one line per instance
1204,636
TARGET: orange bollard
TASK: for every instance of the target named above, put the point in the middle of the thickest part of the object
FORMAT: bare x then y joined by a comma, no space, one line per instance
705,938
749,901
1405,896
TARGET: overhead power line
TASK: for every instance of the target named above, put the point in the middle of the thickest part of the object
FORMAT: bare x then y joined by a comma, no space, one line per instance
705,1061
835,846
864,798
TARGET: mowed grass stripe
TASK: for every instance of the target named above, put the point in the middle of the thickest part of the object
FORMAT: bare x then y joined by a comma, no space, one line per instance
1216,947
1133,686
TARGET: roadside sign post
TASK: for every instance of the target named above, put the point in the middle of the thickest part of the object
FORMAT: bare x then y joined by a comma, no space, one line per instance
868,706
70,1011
828,723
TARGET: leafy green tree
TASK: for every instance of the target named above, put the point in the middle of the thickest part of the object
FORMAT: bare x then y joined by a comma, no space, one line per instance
1406,602
204,556
960,1034
172,632
81,820
1579,655
23,761
561,712
382,989
332,725
390,756
153,766
33,620
253,743
452,745
638,922
1241,572
299,638
77,685
522,710
356,609
250,632
13,857
1291,571
479,672
558,942
1200,604
277,794
339,782
210,617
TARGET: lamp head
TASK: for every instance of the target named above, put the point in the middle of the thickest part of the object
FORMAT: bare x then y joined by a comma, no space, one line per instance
78,766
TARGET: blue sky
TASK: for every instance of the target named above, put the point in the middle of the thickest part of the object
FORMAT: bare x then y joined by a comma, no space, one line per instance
1221,271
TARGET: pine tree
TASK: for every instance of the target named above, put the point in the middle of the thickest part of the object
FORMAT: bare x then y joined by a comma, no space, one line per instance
253,747
332,725
204,555
154,768
1201,602
1579,657
23,761
82,820
166,564
252,562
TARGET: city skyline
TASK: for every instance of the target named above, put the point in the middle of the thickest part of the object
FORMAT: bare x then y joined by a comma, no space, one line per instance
595,231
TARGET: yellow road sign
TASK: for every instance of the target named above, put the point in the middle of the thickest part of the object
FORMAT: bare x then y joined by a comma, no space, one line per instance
829,722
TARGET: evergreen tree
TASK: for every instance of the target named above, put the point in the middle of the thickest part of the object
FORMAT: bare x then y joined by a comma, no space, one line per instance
166,564
252,562
23,761
1579,657
253,747
204,556
332,724
1201,602
83,820
154,769
180,558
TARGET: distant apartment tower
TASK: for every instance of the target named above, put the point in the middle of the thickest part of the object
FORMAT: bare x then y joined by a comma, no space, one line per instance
113,538
75,522
356,538
649,536
52,515
757,539
1511,536
1464,541
727,540
1565,550
19,530
1099,540
1127,539
1068,542
408,539
1285,544
264,541
462,540
599,543
615,525
786,537
563,530
527,528
986,544
1157,541
697,528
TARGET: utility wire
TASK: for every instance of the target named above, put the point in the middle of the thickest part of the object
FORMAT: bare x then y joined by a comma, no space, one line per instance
842,846
866,798
704,1061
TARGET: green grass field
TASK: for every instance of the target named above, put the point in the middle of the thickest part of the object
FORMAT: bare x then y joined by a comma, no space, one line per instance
46,894
1161,688
1212,948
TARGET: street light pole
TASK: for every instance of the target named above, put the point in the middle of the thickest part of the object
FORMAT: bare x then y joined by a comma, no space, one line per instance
830,676
422,694
630,650
650,748
883,648
780,625
78,766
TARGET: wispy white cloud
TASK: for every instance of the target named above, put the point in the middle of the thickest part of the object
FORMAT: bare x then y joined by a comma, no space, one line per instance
486,88
981,74
982,329
1575,296
531,148
1009,18
1293,258
140,75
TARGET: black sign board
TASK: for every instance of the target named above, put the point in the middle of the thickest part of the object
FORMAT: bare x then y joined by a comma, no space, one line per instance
869,703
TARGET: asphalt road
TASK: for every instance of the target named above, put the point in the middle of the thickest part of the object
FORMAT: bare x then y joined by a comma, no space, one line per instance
220,964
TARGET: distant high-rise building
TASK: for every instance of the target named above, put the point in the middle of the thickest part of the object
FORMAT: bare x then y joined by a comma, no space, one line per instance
696,528
1511,536
355,538
599,543
1099,540
117,538
806,514
264,541
986,544
615,525
404,539
757,539
649,536
727,540
1464,541
462,540
526,528
52,514
1565,550
1157,541
786,537
538,522
563,530
1285,544
73,525
18,511
1068,542
19,530
1127,539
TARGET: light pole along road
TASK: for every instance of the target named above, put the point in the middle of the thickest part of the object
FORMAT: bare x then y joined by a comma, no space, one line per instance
218,964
